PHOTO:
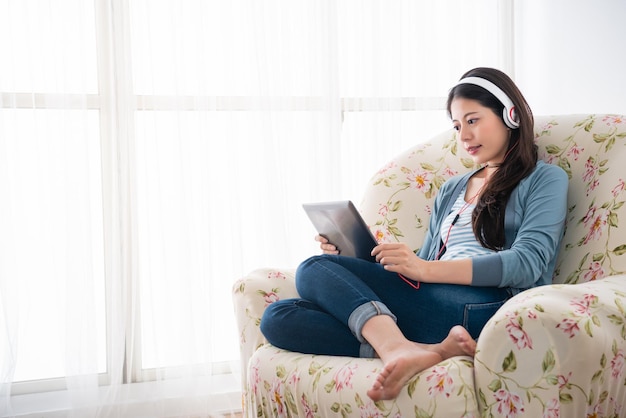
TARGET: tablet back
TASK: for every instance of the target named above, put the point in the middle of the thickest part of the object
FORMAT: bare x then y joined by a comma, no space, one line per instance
341,223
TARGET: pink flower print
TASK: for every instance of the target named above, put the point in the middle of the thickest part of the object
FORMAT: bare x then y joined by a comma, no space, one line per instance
590,299
519,337
581,306
619,188
420,180
617,408
563,381
595,272
617,364
613,120
276,275
591,213
369,410
382,235
592,186
270,297
383,211
308,411
596,225
343,377
569,326
448,171
386,168
552,409
590,170
277,397
441,382
513,315
428,209
293,379
575,152
254,377
531,314
595,411
550,159
510,405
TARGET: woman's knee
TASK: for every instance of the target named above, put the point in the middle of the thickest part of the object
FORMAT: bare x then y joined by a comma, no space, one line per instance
273,320
310,263
308,272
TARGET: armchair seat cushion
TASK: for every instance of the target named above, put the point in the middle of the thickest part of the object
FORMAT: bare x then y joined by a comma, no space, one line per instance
284,383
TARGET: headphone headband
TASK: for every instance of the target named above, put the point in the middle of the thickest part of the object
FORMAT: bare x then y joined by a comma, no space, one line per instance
508,115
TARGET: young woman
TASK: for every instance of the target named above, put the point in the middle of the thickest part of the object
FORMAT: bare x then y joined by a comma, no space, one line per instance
493,232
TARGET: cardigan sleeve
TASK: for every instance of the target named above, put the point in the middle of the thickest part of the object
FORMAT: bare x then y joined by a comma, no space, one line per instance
540,212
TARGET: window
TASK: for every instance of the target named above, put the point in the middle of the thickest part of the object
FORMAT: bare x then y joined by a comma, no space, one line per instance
51,181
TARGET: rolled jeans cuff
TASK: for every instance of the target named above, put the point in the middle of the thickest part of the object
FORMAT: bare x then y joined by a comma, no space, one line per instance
364,313
367,351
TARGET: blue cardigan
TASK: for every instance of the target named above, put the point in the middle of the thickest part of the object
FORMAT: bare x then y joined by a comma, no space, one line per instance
534,223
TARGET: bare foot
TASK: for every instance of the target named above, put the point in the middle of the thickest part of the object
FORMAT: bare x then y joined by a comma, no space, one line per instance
404,363
458,343
400,366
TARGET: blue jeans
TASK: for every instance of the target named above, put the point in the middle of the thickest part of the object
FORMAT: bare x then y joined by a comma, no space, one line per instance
339,294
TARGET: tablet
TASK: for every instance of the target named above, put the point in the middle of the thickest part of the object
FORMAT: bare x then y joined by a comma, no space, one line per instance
341,223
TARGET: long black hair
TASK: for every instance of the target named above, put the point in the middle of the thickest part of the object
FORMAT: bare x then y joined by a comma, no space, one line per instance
520,160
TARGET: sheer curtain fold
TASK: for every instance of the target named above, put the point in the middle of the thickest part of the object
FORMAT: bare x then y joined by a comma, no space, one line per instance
50,225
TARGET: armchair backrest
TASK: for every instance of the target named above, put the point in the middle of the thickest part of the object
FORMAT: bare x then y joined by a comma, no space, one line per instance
590,148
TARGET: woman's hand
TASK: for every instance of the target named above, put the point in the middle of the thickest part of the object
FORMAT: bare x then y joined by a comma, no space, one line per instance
327,247
399,258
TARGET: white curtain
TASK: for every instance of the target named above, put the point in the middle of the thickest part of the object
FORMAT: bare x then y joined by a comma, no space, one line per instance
154,151
52,321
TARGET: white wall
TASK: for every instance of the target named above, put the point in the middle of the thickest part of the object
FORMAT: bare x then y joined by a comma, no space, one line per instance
570,55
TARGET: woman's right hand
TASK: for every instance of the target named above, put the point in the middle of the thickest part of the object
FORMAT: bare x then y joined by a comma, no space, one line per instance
327,247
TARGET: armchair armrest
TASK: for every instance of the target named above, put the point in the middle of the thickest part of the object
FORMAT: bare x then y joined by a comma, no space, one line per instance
555,350
251,295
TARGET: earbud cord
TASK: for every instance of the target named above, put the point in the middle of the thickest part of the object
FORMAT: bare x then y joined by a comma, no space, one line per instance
456,219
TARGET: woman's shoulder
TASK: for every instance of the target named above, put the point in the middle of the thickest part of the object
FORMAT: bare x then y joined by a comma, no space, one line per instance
547,171
545,175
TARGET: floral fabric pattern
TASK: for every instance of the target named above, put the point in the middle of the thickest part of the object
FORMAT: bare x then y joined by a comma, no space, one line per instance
552,351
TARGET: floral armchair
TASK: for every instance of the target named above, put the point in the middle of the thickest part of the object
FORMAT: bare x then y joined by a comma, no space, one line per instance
551,351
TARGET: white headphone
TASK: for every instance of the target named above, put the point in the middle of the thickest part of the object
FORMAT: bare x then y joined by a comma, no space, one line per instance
508,114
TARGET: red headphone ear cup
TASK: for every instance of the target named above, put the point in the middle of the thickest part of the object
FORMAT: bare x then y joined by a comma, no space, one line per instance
513,115
510,117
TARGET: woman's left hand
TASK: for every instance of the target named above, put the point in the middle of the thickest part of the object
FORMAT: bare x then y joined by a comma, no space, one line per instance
399,258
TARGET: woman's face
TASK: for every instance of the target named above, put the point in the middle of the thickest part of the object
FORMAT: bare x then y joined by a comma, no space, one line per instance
482,133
